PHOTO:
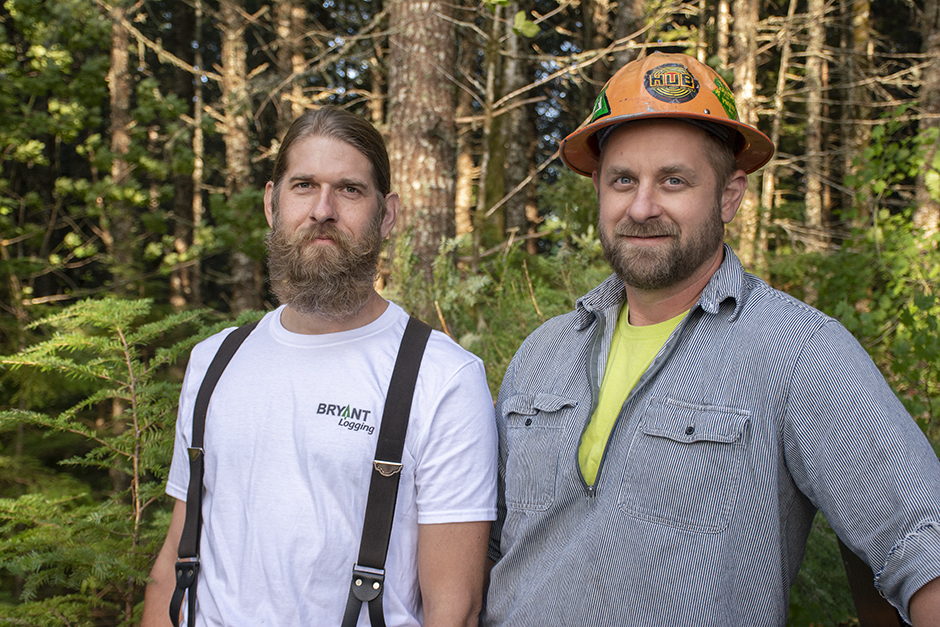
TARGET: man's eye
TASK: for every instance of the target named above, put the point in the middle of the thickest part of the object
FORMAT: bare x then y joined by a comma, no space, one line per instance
624,180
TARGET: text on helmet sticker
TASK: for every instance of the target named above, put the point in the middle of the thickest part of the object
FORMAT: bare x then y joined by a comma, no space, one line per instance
671,83
601,106
726,98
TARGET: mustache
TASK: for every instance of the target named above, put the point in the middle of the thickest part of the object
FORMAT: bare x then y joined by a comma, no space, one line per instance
317,231
631,228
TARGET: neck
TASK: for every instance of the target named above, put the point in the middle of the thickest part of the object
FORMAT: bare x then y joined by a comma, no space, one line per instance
314,324
655,306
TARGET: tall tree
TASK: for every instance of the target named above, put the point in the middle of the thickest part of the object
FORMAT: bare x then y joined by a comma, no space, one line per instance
291,19
857,67
246,270
927,212
422,131
814,71
746,20
118,224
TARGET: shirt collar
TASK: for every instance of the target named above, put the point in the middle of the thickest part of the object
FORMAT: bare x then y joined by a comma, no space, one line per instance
727,282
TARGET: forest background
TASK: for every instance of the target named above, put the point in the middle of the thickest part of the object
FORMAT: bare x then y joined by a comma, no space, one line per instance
136,137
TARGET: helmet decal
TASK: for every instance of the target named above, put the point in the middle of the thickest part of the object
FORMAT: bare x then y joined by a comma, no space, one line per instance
726,98
601,106
671,82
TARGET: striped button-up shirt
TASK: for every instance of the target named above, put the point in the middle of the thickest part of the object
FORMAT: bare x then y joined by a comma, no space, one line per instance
757,411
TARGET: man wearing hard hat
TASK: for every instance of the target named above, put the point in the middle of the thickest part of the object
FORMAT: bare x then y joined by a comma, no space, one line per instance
665,446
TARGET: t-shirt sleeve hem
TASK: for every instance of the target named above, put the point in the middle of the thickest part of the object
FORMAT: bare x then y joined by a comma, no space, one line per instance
176,492
467,515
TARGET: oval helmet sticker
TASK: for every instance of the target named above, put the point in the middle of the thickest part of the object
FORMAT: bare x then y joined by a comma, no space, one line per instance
672,83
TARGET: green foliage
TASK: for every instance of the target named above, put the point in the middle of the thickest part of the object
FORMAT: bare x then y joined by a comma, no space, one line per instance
569,208
883,284
490,312
821,594
525,27
79,536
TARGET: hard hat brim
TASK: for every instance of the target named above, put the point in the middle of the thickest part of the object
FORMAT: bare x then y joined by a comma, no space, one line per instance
580,153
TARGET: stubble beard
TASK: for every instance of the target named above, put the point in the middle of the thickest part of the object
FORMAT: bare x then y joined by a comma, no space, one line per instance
660,267
333,282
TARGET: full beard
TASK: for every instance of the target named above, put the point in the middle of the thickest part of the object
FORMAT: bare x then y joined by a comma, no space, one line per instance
333,282
660,267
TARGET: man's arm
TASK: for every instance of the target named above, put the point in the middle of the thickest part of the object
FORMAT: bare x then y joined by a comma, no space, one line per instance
163,575
925,605
451,565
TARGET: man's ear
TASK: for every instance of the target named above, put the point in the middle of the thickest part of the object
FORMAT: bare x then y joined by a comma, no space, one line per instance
269,203
392,204
732,195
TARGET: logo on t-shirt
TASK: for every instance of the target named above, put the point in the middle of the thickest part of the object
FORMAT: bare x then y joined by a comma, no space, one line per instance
350,417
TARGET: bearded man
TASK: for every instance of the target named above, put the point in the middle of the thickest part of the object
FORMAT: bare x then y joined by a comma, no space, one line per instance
665,446
292,425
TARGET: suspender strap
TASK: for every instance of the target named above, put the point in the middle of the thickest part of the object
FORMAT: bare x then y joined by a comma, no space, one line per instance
873,609
368,576
187,567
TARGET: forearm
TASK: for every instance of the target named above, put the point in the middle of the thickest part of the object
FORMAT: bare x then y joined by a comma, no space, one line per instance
451,565
162,584
157,598
925,605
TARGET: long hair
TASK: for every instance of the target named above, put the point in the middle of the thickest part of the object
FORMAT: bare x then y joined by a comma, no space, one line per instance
344,126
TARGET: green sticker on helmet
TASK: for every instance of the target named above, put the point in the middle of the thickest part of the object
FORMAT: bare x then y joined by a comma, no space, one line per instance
726,98
601,106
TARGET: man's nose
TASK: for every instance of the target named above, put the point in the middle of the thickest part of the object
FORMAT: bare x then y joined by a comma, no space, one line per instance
644,205
323,209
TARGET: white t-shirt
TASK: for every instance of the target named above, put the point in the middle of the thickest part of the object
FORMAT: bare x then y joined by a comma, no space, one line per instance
290,438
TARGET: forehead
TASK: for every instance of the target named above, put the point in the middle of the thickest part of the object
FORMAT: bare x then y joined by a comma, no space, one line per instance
329,158
660,142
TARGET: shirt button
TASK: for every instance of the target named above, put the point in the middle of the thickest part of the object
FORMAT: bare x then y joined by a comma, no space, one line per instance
689,430
528,421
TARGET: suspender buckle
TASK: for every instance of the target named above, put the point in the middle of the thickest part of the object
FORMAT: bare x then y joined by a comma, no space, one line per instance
195,452
367,583
187,570
386,469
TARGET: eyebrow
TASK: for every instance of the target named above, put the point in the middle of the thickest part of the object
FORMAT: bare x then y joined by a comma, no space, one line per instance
346,182
665,170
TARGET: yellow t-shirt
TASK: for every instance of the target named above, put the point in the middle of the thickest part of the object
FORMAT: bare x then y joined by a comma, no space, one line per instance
632,350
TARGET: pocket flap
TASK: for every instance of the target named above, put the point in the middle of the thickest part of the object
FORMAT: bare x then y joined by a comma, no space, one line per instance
529,404
686,422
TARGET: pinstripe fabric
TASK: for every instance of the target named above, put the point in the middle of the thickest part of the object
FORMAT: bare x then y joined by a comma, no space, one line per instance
757,411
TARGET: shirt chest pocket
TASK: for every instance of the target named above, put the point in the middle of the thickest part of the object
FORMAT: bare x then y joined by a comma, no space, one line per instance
684,465
534,428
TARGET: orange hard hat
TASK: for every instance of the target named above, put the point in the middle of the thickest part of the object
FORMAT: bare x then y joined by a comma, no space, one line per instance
666,86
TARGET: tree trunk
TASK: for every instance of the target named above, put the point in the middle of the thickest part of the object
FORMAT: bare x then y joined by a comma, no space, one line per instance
745,88
629,19
855,134
927,213
466,173
769,173
723,33
516,138
199,150
118,229
183,276
485,177
814,124
291,20
595,16
421,121
246,272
